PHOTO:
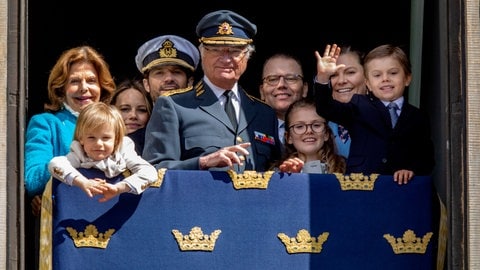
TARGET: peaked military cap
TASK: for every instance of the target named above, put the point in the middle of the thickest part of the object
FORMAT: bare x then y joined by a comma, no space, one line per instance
225,27
167,50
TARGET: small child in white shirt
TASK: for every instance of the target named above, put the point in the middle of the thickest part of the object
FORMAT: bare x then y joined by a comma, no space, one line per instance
100,142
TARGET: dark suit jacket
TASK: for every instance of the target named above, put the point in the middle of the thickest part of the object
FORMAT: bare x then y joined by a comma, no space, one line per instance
138,137
376,147
188,125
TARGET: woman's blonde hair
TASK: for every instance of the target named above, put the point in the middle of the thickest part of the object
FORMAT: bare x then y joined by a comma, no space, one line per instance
97,115
58,77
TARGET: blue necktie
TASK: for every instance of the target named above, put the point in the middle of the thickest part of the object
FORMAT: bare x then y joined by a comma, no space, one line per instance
392,108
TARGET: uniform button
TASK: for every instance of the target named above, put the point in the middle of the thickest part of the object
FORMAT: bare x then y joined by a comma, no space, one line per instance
384,160
239,139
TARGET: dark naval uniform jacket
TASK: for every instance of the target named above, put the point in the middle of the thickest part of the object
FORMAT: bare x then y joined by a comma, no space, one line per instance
376,147
187,125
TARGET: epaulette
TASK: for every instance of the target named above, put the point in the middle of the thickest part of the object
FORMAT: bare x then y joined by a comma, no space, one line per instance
254,98
199,89
177,91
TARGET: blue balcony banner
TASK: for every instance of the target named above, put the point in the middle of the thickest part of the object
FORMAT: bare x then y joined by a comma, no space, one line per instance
246,225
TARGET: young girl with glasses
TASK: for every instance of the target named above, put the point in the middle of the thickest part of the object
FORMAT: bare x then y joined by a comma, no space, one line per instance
310,145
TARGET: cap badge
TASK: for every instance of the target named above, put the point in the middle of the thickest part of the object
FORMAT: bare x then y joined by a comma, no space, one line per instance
167,50
225,29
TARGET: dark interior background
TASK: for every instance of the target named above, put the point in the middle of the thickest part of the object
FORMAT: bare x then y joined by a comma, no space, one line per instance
117,29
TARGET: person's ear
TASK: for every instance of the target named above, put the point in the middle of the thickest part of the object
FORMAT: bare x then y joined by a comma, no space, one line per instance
408,80
146,85
260,89
190,81
288,138
305,89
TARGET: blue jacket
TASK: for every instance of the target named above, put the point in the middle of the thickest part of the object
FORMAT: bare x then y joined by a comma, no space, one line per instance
48,135
343,147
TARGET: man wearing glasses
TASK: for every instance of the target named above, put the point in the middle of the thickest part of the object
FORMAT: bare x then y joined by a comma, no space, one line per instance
282,84
217,125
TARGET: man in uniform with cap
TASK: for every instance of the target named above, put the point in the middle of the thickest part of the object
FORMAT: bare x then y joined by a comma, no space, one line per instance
167,63
194,130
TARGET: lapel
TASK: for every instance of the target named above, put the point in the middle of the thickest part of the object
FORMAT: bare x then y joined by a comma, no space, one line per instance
209,103
248,109
406,112
383,111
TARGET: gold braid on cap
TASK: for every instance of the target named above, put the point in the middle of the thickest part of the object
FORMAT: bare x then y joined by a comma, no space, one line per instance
168,55
171,61
225,41
225,29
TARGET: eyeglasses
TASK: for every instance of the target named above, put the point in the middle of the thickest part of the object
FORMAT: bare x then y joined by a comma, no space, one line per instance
235,53
301,129
273,80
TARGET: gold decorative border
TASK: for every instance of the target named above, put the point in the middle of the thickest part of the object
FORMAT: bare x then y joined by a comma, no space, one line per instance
161,175
46,223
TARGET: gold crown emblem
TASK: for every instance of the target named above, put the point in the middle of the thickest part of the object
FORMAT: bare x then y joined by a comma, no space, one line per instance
196,240
303,242
410,243
250,179
167,50
225,29
356,181
90,237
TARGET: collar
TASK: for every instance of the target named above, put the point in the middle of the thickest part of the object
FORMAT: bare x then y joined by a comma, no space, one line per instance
399,101
219,91
68,108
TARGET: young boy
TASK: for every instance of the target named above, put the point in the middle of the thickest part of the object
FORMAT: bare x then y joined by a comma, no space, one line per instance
100,142
402,149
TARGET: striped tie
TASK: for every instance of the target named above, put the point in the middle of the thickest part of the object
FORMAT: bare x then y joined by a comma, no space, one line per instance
392,108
